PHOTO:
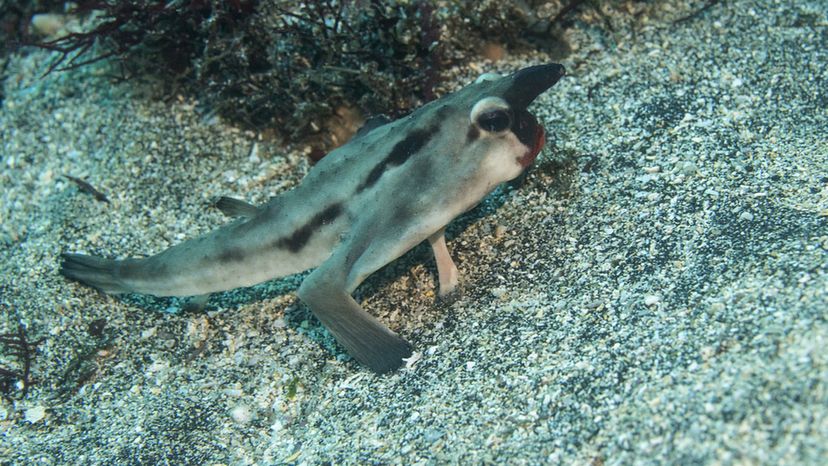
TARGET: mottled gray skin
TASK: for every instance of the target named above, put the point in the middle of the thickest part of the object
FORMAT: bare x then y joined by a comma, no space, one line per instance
362,206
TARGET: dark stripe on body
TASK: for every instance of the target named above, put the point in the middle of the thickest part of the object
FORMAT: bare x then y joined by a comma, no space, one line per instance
399,154
300,237
232,255
294,242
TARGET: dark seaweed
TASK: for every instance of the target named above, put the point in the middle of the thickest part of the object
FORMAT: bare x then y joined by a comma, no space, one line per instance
88,188
296,69
174,30
17,345
15,17
707,5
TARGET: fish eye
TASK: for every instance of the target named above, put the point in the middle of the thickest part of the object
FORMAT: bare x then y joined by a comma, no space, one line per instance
495,121
492,114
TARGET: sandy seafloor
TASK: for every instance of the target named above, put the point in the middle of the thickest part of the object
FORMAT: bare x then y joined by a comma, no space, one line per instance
655,292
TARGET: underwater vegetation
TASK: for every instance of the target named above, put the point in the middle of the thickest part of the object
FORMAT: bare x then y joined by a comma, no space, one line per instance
17,345
173,32
85,187
298,68
15,17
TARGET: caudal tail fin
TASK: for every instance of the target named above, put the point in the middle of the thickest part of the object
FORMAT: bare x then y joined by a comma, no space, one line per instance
96,272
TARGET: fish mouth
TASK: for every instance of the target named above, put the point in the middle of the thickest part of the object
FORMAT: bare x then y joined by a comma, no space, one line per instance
519,90
539,140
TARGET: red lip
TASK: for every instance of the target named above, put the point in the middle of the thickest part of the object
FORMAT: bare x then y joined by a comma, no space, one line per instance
540,140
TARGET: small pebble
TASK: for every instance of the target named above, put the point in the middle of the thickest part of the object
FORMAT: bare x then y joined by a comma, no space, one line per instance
48,24
241,414
35,414
688,168
432,435
651,300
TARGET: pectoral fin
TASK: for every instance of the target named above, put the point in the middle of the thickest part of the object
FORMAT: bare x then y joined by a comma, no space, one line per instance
327,292
363,336
371,124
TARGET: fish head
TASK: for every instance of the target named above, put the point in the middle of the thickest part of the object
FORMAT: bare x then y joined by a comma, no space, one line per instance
470,140
495,135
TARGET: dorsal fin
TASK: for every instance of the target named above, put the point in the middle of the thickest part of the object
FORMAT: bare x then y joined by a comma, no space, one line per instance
233,207
371,124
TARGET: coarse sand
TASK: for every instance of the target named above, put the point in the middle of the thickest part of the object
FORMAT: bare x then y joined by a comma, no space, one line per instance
654,291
